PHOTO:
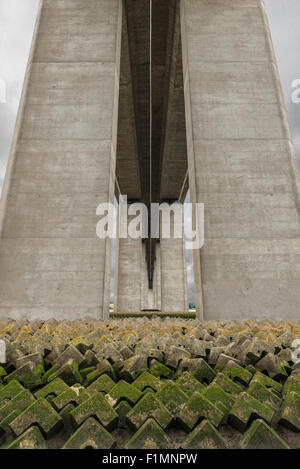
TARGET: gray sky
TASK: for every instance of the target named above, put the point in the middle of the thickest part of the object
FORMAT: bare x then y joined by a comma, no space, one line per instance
17,18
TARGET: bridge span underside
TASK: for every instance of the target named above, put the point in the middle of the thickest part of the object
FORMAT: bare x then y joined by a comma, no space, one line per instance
83,134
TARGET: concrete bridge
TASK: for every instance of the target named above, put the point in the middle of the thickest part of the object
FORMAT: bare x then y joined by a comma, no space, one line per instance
219,129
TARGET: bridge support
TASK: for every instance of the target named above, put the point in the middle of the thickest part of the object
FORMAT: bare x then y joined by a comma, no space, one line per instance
241,163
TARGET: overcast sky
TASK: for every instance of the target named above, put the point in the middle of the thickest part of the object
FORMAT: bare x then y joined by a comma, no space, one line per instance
17,18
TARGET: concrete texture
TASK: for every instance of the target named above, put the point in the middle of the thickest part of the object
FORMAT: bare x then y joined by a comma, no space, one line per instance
169,292
241,163
62,165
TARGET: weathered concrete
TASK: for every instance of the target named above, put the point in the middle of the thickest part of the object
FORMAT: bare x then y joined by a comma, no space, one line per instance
241,163
62,165
173,269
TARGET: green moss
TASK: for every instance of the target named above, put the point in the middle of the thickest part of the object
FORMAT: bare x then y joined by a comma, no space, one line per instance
147,380
96,406
54,388
74,395
19,403
40,413
204,436
172,397
262,394
238,373
160,370
228,385
290,412
247,407
189,384
10,391
217,396
261,436
196,408
91,434
149,436
102,384
124,391
31,439
149,406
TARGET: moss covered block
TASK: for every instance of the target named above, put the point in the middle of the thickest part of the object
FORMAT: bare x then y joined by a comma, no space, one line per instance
290,412
261,436
31,439
246,408
87,371
188,384
268,382
71,353
102,384
160,370
28,374
2,373
54,388
172,397
251,369
91,434
198,408
237,373
40,413
49,375
91,377
10,390
68,372
65,414
133,367
204,436
19,403
123,391
262,394
34,379
149,406
96,406
147,380
228,385
292,384
198,368
217,396
149,436
74,395
122,409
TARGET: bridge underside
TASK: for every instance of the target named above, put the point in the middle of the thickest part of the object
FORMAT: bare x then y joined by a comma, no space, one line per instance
140,178
83,135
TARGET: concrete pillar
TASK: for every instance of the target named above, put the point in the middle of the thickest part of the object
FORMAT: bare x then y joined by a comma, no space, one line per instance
241,163
132,292
128,271
174,296
62,165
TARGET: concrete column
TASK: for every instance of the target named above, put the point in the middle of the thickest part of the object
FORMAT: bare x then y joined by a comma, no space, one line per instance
128,273
62,165
173,268
132,292
241,163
